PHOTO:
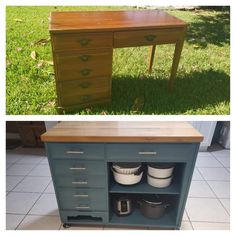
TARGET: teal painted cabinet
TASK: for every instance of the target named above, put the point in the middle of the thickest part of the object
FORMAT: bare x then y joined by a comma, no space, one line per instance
85,187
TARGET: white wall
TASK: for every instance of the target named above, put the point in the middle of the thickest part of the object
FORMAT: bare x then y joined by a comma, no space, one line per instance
206,128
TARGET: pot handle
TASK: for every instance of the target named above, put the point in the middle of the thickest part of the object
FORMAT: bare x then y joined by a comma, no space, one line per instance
140,170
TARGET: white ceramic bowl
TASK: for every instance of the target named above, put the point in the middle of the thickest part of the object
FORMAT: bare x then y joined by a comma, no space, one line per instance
159,183
160,172
126,179
121,170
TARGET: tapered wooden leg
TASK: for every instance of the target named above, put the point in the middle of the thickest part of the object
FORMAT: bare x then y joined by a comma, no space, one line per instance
177,54
152,54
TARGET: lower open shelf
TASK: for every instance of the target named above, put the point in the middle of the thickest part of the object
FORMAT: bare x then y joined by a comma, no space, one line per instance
136,218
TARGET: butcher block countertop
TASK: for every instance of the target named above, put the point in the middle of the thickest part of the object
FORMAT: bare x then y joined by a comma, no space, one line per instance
122,131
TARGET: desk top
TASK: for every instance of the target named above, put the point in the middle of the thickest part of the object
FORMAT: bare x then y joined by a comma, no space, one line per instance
120,131
86,21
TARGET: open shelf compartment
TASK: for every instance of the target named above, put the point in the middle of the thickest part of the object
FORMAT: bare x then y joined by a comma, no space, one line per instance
144,187
168,220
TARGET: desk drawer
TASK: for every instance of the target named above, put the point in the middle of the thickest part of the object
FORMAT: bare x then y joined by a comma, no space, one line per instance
150,152
81,181
82,199
83,65
76,167
80,151
90,97
72,41
146,37
84,86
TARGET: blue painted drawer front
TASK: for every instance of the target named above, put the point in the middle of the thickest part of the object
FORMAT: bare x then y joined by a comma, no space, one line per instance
81,181
74,167
81,151
82,199
99,217
173,152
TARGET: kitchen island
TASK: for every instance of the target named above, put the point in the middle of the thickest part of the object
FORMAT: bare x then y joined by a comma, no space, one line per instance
81,156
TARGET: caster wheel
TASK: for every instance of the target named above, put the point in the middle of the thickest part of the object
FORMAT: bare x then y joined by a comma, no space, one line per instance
66,226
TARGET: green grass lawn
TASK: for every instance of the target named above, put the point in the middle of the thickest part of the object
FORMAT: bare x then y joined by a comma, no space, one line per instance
202,85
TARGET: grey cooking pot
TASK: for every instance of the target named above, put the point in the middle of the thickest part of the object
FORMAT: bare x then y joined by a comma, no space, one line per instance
153,207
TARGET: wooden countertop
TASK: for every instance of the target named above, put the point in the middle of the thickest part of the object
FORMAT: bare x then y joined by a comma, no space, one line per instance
120,131
85,21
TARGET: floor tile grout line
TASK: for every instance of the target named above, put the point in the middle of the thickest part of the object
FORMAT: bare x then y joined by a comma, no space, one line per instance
27,214
36,199
188,219
215,194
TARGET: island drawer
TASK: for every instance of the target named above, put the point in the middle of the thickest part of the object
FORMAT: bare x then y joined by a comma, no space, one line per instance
80,151
173,152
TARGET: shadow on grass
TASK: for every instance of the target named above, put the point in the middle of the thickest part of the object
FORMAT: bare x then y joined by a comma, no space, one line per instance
213,29
198,90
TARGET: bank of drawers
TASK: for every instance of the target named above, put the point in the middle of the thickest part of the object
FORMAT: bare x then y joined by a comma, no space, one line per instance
79,173
83,66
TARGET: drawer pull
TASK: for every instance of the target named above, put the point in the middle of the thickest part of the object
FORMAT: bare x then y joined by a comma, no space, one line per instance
75,152
150,37
85,72
83,207
84,42
77,168
85,84
81,195
84,57
85,98
79,182
147,153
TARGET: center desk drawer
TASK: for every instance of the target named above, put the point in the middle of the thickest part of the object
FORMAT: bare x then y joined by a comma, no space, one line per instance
76,167
82,199
173,152
146,37
81,181
80,151
83,64
71,41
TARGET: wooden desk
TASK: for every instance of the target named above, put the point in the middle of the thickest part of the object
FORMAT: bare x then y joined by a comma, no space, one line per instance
83,42
81,154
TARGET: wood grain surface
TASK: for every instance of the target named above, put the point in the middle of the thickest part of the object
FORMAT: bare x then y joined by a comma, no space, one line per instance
120,131
109,20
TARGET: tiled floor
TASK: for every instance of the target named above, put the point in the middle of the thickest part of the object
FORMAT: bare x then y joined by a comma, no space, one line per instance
31,202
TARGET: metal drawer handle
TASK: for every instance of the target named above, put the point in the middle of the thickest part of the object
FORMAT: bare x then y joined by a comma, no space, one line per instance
75,152
85,84
84,57
150,37
81,195
84,42
85,98
79,182
147,153
85,72
77,168
83,207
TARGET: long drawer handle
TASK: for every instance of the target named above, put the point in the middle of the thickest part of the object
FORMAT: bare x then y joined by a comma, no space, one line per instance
85,84
147,153
83,207
84,57
75,152
84,41
77,168
79,182
81,195
150,37
85,72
